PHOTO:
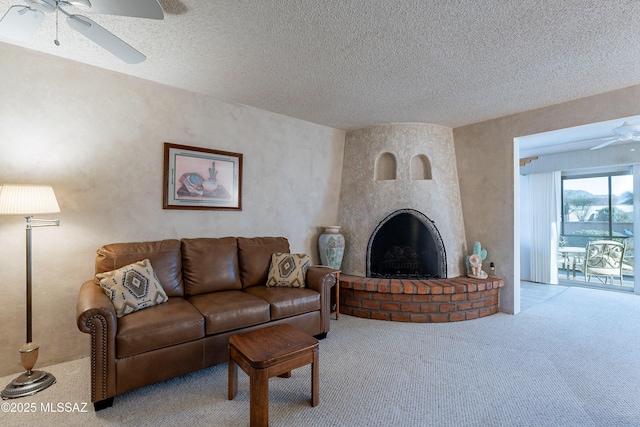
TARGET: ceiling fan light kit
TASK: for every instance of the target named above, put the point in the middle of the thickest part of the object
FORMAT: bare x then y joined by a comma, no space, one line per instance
21,22
83,3
44,6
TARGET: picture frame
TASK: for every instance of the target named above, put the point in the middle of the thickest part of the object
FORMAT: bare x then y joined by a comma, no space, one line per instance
201,178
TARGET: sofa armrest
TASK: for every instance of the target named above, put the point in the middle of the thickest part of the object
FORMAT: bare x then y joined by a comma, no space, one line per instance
96,316
321,279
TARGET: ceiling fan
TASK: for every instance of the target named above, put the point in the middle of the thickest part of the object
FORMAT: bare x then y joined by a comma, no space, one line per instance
625,132
21,22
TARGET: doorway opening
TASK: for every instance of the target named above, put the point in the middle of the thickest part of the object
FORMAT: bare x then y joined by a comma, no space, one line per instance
595,217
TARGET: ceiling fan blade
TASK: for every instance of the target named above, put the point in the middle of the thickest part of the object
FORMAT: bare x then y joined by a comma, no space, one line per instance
20,23
607,142
105,39
588,141
149,9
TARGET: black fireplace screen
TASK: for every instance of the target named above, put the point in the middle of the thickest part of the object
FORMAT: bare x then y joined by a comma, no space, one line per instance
405,245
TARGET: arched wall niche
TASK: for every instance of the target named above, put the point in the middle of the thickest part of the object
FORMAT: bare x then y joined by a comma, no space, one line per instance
386,167
420,168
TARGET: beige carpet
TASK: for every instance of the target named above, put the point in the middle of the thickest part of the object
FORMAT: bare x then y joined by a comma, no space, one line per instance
572,360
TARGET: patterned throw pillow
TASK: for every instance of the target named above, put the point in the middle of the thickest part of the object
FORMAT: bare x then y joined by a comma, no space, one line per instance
288,270
132,287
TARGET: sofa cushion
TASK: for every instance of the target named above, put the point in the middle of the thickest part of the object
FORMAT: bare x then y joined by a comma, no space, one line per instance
254,258
165,256
288,270
164,325
210,265
132,287
287,302
229,310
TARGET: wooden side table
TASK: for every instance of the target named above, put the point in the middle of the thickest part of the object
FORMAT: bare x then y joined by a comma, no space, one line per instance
269,352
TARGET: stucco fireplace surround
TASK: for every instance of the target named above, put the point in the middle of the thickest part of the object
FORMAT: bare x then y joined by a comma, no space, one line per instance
407,167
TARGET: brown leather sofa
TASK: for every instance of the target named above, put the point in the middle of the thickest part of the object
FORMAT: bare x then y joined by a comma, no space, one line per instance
216,288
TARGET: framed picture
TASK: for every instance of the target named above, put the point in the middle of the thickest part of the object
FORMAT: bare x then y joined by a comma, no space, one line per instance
199,178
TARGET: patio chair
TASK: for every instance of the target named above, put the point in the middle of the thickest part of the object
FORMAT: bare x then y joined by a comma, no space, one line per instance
627,260
603,259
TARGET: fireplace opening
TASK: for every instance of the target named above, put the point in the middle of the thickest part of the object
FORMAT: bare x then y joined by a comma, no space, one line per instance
405,245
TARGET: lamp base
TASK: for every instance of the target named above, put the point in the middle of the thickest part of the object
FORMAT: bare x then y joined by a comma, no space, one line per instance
27,384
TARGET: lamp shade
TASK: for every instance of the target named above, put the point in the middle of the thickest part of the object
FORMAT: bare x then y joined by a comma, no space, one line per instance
27,200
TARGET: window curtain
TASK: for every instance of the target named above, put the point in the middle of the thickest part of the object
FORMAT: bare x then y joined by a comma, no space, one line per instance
545,226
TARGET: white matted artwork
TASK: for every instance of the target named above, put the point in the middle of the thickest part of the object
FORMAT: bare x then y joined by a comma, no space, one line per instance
201,178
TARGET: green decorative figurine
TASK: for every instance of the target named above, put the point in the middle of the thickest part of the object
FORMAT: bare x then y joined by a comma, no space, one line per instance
474,262
213,173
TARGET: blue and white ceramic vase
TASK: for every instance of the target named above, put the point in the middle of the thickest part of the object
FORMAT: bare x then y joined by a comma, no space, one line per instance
331,246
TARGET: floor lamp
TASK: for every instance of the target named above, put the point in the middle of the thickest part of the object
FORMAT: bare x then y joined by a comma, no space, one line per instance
28,200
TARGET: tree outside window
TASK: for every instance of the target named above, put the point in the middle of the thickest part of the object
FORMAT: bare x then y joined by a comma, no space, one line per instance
597,207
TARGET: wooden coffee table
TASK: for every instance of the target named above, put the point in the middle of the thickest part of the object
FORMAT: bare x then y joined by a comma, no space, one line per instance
269,352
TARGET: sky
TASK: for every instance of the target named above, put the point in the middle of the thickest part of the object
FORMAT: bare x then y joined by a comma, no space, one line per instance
600,186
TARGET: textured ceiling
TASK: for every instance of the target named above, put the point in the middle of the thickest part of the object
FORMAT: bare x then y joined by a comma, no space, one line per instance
353,63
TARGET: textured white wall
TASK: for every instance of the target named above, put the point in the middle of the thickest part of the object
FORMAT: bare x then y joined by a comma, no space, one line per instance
364,202
97,137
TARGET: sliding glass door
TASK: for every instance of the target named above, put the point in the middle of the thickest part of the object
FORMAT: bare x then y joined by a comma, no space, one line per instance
596,208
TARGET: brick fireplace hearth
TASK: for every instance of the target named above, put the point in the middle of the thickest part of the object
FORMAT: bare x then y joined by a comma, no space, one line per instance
419,301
